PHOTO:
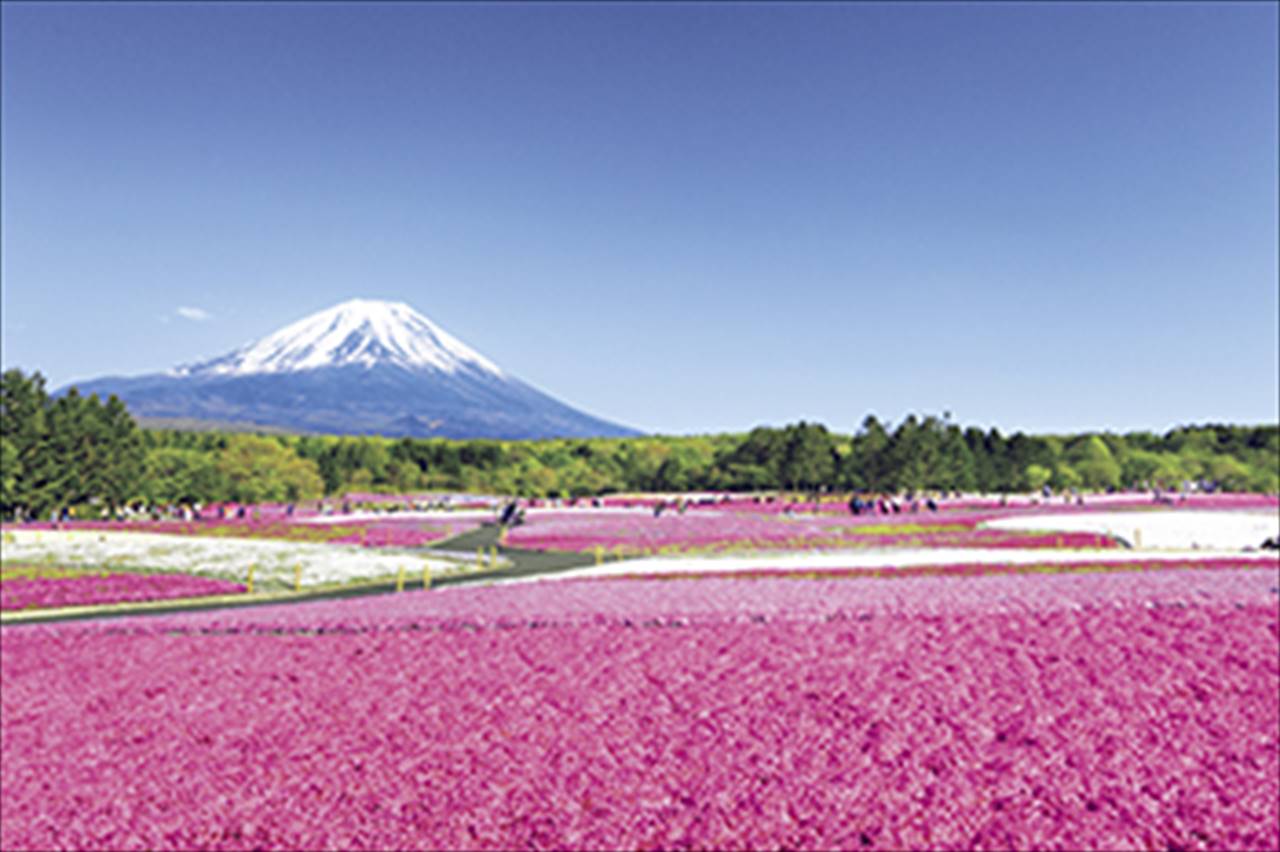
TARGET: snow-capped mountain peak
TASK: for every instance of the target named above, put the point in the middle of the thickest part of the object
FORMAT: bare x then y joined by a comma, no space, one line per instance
363,367
359,332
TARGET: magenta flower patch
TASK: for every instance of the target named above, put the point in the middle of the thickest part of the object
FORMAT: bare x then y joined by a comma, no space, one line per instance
1129,710
91,588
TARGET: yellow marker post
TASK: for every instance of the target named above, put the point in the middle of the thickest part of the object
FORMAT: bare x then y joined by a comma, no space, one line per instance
426,577
493,556
479,558
599,555
249,585
400,580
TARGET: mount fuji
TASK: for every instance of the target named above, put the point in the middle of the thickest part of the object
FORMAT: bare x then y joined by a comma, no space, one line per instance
361,367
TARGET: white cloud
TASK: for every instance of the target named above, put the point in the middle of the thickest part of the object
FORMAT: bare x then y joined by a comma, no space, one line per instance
196,314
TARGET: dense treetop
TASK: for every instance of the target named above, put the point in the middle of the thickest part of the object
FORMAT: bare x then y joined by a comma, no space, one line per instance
80,451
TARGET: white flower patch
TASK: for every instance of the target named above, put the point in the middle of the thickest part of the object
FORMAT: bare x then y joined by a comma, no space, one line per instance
1175,528
275,562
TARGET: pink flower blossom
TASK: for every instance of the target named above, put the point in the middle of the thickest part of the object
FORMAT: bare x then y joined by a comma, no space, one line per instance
1124,710
84,589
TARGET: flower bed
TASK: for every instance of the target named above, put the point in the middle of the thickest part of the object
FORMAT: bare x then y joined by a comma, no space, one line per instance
380,533
41,587
637,533
1134,710
278,565
744,524
964,569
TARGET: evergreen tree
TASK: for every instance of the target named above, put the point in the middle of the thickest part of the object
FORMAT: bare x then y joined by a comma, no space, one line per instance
914,454
66,475
958,466
121,462
23,409
764,449
10,474
810,458
1005,475
867,465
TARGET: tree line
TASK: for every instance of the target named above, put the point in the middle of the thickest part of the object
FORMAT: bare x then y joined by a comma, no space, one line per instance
80,451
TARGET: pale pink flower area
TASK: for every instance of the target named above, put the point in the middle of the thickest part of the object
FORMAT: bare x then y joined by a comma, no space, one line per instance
1132,710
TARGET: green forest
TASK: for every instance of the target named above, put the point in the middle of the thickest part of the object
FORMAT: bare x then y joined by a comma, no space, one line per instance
76,451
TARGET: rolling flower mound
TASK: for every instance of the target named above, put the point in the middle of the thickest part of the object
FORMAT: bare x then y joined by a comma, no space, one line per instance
1130,710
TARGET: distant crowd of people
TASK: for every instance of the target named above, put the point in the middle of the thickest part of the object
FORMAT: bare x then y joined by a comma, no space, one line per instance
872,505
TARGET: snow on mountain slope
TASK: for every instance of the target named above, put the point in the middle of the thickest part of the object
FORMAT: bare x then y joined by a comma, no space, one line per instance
360,332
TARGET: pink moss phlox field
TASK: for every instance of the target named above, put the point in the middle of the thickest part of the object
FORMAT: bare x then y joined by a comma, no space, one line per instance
90,589
1080,711
706,531
718,526
714,523
405,532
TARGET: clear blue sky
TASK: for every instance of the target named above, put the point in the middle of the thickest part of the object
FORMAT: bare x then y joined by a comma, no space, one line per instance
686,218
